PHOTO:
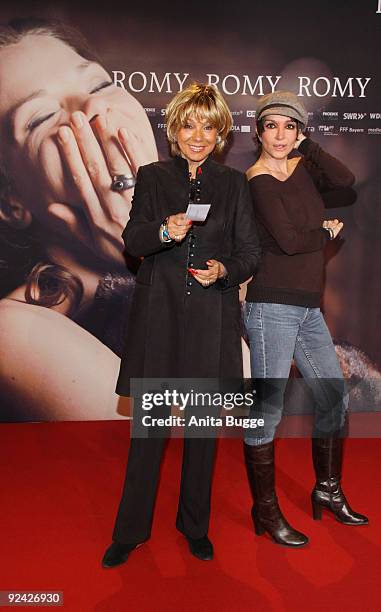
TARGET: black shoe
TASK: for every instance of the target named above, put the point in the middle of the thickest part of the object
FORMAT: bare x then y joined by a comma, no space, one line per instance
202,548
117,553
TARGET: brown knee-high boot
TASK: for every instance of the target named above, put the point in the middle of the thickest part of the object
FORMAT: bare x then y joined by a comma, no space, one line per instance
327,454
265,512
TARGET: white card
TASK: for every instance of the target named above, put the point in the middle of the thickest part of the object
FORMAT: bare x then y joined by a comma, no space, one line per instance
197,212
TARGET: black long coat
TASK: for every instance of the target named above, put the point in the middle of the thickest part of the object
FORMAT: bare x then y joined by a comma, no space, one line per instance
177,327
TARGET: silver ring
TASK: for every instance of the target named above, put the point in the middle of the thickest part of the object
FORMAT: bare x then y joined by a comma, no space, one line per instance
207,283
121,182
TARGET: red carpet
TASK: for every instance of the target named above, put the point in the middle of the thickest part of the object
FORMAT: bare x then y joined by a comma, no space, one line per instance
60,488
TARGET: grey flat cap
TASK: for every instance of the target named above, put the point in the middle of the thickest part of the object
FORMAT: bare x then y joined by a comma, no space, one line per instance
283,103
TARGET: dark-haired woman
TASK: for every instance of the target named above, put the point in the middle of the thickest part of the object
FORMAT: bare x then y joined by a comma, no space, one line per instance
282,311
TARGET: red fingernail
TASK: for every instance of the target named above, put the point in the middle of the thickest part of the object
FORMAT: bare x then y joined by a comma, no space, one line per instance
190,270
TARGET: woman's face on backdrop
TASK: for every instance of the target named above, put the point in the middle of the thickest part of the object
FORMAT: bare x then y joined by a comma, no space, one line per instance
42,83
278,136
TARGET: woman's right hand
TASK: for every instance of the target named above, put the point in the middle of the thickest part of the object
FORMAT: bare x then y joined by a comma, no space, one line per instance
178,226
335,225
94,152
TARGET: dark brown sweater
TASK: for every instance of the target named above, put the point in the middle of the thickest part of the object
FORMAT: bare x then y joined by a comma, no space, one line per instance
289,218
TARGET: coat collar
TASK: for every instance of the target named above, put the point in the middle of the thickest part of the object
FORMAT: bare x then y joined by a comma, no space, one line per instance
182,165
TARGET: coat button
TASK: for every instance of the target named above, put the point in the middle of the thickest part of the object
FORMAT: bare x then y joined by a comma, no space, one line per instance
191,254
188,292
190,264
189,283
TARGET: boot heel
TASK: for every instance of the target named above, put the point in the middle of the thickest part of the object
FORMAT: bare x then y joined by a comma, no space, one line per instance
258,527
317,510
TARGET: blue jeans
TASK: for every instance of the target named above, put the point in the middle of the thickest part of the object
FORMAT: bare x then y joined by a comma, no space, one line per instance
279,333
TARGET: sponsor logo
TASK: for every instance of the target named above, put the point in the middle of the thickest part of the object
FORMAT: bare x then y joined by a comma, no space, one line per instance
356,116
237,112
236,128
310,129
150,111
344,129
374,130
330,115
329,130
250,113
245,128
161,126
374,115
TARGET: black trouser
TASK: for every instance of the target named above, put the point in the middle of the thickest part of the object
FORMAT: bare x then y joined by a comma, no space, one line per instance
135,514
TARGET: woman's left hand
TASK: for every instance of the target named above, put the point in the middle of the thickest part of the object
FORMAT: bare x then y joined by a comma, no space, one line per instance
299,140
207,277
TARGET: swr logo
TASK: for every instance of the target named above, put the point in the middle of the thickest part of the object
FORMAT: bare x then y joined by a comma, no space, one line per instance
354,115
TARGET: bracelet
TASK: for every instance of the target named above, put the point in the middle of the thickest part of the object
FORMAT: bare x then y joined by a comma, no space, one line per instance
163,232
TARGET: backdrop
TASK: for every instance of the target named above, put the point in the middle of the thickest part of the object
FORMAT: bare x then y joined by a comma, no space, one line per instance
59,362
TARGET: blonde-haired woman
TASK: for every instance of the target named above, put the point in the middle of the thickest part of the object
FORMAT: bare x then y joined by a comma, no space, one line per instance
185,318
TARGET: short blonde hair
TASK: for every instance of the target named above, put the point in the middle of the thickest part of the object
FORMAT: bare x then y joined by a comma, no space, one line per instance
204,102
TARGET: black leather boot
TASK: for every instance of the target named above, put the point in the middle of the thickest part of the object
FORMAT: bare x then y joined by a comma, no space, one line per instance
327,455
265,512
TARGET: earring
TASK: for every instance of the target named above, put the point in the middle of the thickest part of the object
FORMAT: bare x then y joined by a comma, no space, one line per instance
219,139
13,213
